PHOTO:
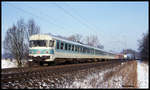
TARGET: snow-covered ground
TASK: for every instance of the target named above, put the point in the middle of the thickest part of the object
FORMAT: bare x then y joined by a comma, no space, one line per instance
114,82
142,75
97,80
7,63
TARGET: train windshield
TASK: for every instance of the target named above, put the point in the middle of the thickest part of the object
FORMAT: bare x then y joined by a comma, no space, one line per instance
38,43
51,43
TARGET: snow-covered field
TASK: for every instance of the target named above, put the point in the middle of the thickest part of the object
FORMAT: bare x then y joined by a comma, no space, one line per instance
143,75
96,79
7,63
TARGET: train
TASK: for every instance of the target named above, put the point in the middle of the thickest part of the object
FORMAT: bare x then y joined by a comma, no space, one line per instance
49,48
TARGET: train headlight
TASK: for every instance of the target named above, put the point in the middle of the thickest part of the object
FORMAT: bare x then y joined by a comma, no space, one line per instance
38,52
30,60
125,56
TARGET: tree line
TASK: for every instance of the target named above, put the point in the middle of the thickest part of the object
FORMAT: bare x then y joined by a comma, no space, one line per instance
144,47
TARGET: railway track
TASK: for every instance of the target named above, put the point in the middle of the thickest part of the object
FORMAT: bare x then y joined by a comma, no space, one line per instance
29,69
20,75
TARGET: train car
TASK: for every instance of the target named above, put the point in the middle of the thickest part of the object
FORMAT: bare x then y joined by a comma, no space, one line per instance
49,48
121,56
129,56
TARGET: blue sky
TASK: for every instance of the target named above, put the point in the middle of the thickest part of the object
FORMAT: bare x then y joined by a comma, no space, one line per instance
117,24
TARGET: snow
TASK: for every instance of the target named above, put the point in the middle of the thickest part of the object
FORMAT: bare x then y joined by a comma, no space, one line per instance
96,80
7,63
113,82
142,75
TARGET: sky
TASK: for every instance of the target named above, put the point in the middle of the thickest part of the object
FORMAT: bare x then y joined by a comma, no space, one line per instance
118,25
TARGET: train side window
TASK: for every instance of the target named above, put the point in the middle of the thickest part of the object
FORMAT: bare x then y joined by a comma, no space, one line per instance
69,47
82,49
62,45
72,47
85,50
88,50
79,49
66,45
75,48
57,44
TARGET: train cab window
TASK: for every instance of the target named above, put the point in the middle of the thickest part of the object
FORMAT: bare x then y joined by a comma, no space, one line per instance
62,45
38,43
31,44
66,45
51,43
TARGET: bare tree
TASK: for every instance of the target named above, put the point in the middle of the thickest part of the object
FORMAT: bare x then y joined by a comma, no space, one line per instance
32,28
14,41
100,46
144,47
93,41
75,38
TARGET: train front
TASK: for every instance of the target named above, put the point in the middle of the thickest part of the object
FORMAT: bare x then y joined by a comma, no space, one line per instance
41,48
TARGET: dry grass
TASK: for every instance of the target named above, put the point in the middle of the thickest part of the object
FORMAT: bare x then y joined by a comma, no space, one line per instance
129,73
146,62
